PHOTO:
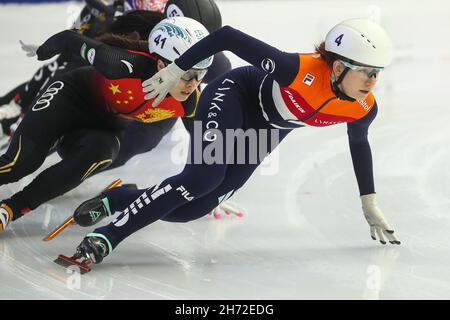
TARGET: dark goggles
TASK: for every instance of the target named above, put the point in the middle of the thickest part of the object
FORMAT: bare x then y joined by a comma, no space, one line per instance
197,74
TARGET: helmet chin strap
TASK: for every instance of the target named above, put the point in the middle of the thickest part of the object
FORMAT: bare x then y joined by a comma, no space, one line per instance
335,85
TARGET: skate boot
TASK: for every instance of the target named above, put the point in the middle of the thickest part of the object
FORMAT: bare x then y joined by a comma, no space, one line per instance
6,215
92,249
96,209
92,211
83,212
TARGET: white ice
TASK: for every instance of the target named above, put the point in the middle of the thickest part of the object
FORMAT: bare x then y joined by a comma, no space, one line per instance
304,235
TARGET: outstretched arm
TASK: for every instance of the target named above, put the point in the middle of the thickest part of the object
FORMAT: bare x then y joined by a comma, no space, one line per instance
220,65
362,164
361,153
282,66
112,62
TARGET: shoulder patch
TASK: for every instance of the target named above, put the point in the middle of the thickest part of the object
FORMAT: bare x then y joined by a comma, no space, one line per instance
128,64
268,65
83,51
91,56
308,79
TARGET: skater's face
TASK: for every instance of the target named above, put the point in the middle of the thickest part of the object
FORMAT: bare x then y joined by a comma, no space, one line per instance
358,82
184,88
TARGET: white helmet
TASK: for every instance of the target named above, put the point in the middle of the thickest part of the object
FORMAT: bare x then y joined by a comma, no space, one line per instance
360,40
171,37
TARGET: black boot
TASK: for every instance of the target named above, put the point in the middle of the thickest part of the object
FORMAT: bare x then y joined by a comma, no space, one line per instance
96,209
92,211
94,247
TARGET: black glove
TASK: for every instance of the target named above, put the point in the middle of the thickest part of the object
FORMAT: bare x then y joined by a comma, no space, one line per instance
52,46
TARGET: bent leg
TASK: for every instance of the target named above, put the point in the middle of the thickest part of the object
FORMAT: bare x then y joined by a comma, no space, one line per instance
35,135
143,207
221,106
84,152
23,157
53,114
235,178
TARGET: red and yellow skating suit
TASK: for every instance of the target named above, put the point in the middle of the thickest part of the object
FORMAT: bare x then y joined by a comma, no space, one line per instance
123,94
115,82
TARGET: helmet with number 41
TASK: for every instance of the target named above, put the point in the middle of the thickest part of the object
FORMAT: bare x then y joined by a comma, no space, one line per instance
171,37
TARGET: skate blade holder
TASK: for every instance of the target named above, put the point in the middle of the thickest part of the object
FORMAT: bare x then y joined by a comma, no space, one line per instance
69,221
65,261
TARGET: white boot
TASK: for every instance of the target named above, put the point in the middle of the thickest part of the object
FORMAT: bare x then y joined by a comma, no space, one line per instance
10,110
6,215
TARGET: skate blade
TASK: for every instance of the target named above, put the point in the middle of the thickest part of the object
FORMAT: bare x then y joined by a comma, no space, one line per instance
113,184
69,221
64,261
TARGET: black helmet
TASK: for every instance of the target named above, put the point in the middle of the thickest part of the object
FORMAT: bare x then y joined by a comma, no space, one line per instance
141,21
204,11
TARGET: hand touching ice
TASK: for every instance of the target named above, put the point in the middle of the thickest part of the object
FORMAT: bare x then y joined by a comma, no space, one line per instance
377,222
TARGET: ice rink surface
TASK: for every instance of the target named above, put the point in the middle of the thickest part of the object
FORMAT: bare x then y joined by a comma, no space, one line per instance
304,235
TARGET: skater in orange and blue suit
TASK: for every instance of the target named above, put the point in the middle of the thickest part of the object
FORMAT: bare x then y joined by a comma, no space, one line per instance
278,93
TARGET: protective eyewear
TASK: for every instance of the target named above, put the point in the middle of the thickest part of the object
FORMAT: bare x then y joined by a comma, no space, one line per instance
197,74
368,71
